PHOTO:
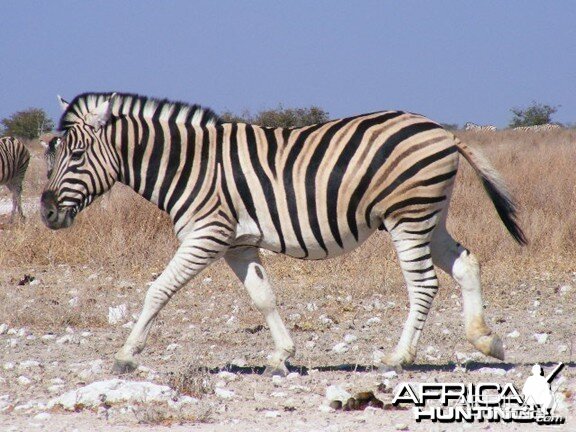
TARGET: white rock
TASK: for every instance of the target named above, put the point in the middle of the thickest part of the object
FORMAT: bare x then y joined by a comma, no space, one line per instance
48,337
340,348
239,361
34,282
73,302
541,338
4,328
42,416
337,393
492,371
325,408
223,393
173,347
271,414
9,366
372,321
117,313
311,307
513,334
401,426
536,303
66,339
565,289
113,391
292,375
227,376
562,348
350,338
377,356
389,374
277,380
207,281
27,364
23,380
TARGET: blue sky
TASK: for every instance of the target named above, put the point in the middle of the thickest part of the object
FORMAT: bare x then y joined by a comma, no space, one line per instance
454,61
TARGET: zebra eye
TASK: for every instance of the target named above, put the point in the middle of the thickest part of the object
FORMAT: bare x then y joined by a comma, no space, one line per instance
77,155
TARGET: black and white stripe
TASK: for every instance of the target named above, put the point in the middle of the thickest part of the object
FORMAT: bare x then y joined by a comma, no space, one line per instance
50,153
313,192
469,126
14,159
538,128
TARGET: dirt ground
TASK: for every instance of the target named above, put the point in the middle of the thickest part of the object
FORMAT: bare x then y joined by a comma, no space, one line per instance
212,325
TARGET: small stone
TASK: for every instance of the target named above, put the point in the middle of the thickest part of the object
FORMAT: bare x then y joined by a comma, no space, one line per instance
340,348
207,281
335,392
389,374
372,321
513,334
311,307
27,364
23,381
492,371
42,416
541,338
223,393
239,361
292,375
277,380
565,289
271,414
173,347
117,314
4,328
562,348
401,426
350,338
227,376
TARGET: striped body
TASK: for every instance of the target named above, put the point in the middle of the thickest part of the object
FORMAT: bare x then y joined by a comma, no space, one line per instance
313,192
538,128
14,159
479,128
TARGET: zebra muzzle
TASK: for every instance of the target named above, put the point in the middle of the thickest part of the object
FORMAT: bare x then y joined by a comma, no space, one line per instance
52,216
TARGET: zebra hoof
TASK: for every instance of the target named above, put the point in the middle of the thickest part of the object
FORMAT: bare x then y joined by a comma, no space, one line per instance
122,367
271,371
497,348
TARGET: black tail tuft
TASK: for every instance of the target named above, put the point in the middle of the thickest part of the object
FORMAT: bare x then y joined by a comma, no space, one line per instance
506,210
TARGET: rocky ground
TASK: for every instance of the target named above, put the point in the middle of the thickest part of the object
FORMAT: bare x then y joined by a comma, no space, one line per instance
60,327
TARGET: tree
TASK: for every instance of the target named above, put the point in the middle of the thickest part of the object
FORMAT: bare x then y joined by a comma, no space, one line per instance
280,117
535,114
29,124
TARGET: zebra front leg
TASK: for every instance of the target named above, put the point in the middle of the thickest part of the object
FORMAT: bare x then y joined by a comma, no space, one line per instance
246,264
198,249
458,262
416,262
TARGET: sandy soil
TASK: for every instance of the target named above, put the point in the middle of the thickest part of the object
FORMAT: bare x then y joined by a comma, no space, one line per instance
212,325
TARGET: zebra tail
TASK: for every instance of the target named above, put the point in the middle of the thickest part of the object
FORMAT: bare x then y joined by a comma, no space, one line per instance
496,189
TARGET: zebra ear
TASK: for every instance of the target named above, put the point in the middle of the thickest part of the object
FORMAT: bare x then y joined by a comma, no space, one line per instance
63,104
101,114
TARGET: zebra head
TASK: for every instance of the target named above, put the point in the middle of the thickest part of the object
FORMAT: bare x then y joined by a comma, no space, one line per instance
85,164
50,153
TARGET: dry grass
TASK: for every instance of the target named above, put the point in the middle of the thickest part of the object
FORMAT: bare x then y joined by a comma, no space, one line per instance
125,236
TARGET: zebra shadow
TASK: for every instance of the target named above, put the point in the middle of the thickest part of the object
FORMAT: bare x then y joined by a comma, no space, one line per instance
470,366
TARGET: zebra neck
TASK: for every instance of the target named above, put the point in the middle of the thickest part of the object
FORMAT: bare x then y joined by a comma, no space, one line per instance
172,166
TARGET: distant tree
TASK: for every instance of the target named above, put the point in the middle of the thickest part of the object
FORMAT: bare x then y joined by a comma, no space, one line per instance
280,117
535,114
29,124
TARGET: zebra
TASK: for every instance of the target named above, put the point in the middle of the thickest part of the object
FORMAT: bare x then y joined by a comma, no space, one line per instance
469,126
50,153
14,159
311,192
538,128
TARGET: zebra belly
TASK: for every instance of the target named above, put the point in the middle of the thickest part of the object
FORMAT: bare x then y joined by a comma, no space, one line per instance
313,250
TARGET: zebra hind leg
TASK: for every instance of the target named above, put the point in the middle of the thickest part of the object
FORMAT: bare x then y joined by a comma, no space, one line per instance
246,264
413,250
15,188
458,262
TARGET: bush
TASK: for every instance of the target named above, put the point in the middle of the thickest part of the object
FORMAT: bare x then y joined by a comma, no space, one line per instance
280,117
535,114
28,124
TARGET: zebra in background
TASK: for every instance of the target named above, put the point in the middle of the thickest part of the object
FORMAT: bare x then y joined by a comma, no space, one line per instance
538,128
14,159
50,153
311,192
469,126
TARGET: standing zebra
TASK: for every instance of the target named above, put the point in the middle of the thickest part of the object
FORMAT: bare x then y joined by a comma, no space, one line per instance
50,153
469,126
313,192
14,159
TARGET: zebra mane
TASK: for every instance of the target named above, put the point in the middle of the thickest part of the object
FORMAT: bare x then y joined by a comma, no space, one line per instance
128,104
